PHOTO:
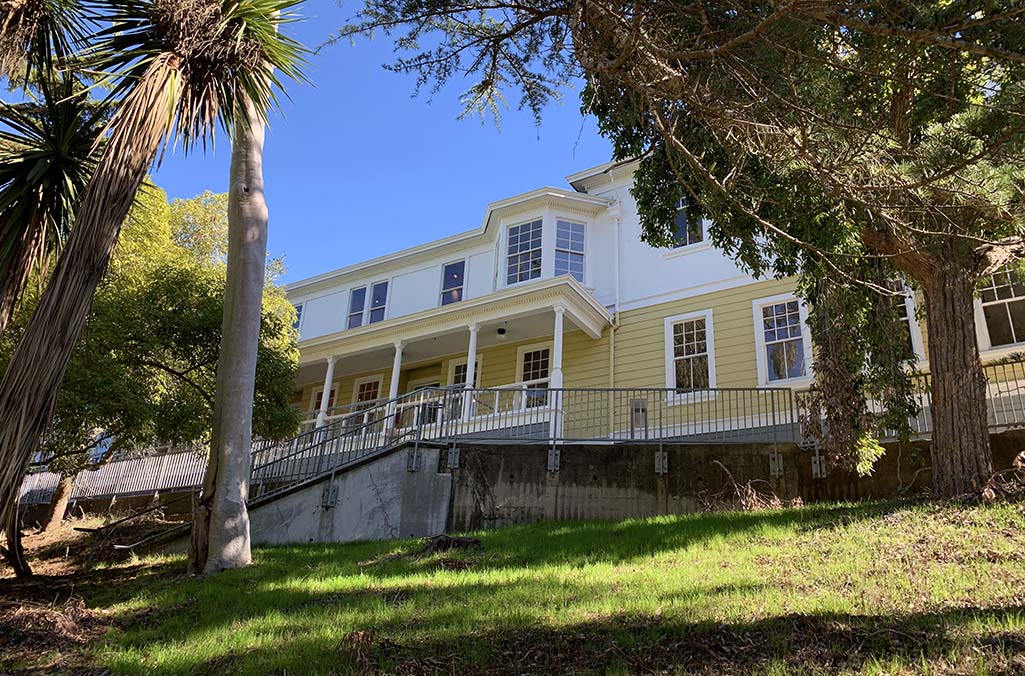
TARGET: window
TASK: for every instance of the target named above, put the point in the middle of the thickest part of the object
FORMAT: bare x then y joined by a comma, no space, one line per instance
905,305
1003,307
459,374
689,364
330,399
686,233
783,340
453,278
534,366
378,300
523,260
357,301
298,317
366,390
569,249
359,314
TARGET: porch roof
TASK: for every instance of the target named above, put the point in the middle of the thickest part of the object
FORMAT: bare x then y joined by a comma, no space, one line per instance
582,309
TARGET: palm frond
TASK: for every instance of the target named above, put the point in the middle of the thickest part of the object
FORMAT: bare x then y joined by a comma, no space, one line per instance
47,154
37,35
228,53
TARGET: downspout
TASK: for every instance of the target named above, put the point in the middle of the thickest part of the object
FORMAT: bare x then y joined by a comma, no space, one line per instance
617,219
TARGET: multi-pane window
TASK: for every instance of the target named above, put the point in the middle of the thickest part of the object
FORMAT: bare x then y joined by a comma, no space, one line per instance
535,368
378,301
569,249
1003,306
298,317
368,391
690,355
357,302
784,340
523,258
459,374
320,396
453,278
686,233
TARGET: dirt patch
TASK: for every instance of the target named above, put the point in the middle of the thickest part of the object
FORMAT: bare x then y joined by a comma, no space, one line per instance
45,638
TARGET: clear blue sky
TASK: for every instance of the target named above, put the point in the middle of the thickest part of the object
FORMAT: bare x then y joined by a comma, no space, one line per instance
356,167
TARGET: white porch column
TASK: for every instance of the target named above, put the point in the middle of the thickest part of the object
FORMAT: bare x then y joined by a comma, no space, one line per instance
471,371
555,377
325,397
393,386
556,374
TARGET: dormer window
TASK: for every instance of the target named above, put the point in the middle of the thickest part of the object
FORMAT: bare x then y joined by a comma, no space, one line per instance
453,279
523,257
685,233
569,249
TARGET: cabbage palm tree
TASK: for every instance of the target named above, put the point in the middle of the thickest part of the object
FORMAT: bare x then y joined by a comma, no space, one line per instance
178,69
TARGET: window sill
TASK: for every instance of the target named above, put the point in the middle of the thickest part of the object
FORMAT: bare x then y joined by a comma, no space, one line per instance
687,250
995,353
792,383
696,397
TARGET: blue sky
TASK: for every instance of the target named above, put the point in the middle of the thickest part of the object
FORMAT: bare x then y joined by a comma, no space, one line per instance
356,167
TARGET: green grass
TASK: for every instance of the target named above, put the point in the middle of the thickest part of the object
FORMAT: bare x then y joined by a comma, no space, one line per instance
866,589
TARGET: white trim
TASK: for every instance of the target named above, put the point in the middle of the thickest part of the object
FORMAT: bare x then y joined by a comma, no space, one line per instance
504,271
585,253
300,309
917,343
367,379
523,349
763,369
462,361
670,358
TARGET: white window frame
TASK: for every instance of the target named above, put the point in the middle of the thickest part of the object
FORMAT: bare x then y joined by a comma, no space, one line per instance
986,347
300,309
687,249
441,282
556,249
453,363
367,301
504,272
319,392
763,368
367,379
917,344
670,361
523,349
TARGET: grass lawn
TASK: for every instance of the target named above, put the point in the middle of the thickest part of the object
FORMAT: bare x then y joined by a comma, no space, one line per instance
862,589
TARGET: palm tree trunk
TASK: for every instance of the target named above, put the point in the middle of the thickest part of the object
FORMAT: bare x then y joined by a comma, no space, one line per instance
28,391
13,551
220,521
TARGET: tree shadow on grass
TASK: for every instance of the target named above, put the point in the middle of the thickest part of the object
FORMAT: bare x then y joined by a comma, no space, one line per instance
793,644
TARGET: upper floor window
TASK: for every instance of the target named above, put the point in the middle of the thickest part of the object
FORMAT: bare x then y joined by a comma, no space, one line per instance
569,249
298,317
359,313
357,303
690,352
783,349
453,279
1003,307
378,301
459,373
685,233
523,258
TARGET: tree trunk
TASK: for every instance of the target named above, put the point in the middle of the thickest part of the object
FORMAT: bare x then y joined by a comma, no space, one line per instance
13,551
59,503
961,458
221,514
28,391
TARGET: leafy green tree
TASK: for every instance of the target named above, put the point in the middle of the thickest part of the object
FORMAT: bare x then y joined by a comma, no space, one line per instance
851,142
144,370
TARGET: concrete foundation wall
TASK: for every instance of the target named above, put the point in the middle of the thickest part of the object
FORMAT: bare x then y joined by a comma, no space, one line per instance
498,485
378,500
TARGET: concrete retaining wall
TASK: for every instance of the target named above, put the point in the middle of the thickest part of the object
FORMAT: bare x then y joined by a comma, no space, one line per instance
499,485
378,500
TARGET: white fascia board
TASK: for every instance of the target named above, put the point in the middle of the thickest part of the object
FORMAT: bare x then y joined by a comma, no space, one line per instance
585,311
583,180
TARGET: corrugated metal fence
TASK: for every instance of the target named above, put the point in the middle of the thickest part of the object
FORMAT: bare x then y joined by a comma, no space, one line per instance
139,475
